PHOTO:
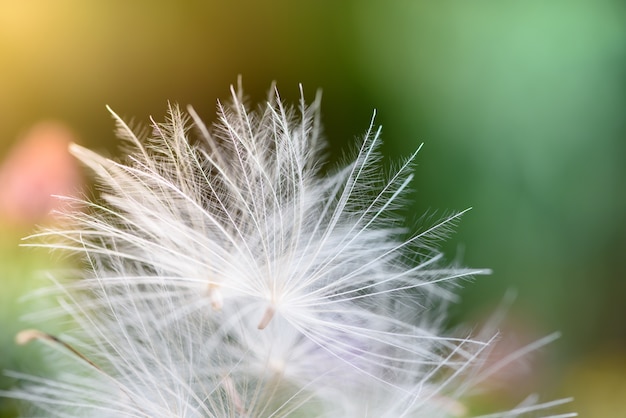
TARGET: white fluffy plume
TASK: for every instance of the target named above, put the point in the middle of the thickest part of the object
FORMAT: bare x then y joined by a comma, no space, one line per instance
230,276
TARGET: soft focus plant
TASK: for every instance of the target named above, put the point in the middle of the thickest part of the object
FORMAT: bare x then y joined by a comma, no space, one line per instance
228,277
38,166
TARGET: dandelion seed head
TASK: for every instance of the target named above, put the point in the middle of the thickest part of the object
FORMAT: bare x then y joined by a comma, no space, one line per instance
227,276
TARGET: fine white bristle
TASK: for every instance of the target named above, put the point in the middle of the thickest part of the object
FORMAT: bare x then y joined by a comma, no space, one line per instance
227,276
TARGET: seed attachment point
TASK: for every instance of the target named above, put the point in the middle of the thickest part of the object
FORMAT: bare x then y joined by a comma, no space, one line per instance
267,317
26,336
215,296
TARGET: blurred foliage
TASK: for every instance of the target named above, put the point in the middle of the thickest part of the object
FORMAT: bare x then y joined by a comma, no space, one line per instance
598,382
520,103
21,271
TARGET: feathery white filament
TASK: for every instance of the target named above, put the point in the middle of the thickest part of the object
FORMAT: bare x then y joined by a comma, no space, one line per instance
228,277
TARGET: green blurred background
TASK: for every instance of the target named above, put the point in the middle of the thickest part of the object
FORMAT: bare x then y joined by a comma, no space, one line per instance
521,106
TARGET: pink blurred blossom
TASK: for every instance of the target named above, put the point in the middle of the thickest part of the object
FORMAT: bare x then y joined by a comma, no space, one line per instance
38,167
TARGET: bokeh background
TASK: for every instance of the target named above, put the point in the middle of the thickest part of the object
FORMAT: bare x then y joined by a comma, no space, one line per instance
521,106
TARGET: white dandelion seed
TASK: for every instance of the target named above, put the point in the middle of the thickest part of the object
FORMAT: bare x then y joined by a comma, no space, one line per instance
230,277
